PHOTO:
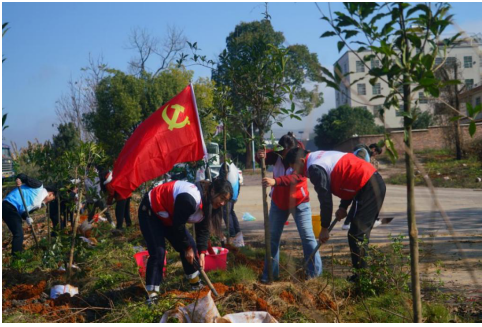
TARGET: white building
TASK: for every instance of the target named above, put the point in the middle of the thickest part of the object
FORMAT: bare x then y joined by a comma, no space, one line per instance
467,54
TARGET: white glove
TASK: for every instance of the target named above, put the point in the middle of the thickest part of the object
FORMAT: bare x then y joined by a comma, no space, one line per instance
29,221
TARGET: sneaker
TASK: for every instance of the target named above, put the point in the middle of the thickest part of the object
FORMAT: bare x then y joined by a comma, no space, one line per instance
152,298
377,223
113,224
345,226
197,286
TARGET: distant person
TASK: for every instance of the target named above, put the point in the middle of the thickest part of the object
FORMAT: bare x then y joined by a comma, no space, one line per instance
351,179
367,153
289,195
13,209
66,208
122,207
233,178
94,199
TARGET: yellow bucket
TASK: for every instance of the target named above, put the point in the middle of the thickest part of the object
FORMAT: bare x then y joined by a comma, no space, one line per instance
316,221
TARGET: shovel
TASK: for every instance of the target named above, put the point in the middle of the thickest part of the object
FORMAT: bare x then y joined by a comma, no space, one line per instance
26,210
384,221
206,278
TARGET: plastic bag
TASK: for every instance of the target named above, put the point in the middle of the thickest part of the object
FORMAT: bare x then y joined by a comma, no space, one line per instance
204,311
238,240
58,290
247,317
248,217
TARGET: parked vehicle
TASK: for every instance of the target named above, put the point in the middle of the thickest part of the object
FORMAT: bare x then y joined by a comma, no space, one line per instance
7,162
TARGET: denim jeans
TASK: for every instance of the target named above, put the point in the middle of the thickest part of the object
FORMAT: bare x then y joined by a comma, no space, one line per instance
302,217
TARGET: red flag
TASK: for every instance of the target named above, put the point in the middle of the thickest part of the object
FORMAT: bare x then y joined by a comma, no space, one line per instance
172,134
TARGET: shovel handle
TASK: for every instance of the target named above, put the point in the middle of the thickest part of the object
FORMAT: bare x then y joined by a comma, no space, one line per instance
26,210
319,245
206,278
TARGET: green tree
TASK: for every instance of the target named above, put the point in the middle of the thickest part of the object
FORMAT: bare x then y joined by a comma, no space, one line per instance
67,138
342,123
406,39
247,67
424,119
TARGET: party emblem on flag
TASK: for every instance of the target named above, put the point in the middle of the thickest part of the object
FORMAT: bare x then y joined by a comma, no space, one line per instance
172,122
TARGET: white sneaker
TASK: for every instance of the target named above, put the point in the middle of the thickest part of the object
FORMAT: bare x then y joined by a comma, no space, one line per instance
377,223
113,224
345,227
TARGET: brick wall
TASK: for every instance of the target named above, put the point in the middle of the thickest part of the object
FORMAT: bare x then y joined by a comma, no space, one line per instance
423,139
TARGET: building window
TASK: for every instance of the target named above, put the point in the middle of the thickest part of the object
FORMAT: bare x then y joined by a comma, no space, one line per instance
451,61
362,89
400,89
422,98
377,89
360,67
469,83
398,112
375,63
438,61
376,110
467,61
477,101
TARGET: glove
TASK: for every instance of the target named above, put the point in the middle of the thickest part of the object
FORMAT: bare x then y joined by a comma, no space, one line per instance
29,221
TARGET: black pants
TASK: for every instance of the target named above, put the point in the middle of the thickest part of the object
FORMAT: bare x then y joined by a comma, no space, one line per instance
233,219
369,201
12,218
55,215
122,210
155,234
101,205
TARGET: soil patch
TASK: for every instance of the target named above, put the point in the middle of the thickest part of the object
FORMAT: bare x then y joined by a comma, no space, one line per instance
256,265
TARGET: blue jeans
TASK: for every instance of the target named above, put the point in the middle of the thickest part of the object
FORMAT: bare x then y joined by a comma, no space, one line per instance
302,217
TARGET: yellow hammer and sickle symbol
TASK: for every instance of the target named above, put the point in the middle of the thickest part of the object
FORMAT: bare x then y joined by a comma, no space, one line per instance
172,122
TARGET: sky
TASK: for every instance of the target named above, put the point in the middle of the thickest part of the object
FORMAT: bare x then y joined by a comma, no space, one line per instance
48,44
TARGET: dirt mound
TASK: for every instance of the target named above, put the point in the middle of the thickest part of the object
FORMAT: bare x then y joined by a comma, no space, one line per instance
288,297
220,288
240,258
324,301
24,291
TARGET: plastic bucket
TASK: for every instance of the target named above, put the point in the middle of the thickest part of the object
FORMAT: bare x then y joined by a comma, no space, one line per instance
216,261
316,221
141,260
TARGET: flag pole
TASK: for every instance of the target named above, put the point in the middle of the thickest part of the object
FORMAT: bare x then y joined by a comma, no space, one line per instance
206,161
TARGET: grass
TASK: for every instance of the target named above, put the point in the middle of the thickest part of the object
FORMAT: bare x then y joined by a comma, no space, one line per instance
445,171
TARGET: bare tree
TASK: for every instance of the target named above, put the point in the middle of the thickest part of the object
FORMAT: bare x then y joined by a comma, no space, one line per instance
146,45
80,97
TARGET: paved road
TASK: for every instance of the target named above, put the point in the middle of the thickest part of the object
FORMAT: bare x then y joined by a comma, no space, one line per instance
463,207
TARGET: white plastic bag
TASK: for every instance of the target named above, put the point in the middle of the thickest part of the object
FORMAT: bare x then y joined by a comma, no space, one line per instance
238,240
248,217
58,290
205,311
247,317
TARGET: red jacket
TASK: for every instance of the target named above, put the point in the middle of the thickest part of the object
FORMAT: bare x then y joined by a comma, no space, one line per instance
111,191
291,189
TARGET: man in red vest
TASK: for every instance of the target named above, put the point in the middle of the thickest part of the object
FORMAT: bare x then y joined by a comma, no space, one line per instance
350,178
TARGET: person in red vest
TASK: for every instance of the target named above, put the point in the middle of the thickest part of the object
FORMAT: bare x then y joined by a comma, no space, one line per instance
289,195
351,179
163,214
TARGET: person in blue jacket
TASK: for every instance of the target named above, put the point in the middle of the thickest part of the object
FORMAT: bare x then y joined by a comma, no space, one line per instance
13,209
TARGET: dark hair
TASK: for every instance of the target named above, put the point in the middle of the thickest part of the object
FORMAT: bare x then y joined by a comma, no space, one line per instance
288,141
295,154
219,186
51,188
376,148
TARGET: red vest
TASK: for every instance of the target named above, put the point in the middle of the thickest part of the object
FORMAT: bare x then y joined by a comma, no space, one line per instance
162,200
288,197
347,173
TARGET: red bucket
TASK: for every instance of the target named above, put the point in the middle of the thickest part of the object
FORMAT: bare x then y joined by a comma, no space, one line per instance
216,261
141,260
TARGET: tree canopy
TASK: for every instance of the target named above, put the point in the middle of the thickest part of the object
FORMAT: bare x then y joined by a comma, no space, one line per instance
342,123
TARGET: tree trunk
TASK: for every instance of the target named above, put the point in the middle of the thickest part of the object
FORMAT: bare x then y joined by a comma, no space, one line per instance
74,232
226,176
458,143
412,223
249,155
267,235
